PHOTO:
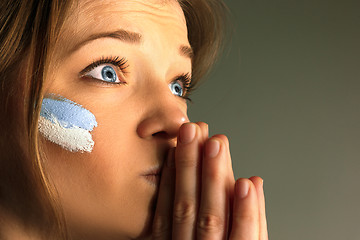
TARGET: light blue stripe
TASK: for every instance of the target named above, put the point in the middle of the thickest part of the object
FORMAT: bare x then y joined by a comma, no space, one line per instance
68,113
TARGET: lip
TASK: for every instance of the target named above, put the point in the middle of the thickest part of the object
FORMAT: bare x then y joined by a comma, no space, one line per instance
153,175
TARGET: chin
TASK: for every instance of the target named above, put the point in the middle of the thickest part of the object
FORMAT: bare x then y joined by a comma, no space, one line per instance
144,229
137,220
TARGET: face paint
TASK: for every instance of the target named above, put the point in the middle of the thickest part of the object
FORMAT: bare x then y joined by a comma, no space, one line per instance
67,124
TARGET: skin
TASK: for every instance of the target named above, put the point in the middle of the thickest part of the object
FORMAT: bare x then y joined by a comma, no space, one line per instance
141,125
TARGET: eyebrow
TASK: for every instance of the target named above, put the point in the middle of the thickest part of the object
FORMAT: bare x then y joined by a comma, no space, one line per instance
186,51
129,37
123,35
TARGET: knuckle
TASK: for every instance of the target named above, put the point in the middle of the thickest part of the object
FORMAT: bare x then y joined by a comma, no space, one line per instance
184,211
248,219
161,226
187,162
216,171
210,223
215,174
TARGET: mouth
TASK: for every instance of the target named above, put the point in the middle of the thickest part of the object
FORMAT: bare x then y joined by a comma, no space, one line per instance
153,175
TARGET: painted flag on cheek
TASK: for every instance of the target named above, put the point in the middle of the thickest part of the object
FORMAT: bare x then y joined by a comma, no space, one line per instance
67,124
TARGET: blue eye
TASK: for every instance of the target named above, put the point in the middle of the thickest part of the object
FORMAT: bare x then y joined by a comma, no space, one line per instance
105,73
176,88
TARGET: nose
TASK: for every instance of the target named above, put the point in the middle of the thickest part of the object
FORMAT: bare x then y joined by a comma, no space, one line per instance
163,119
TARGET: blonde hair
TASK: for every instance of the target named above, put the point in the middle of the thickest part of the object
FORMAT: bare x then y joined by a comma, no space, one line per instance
27,31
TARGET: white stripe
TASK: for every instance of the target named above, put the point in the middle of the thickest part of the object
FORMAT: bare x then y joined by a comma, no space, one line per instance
73,139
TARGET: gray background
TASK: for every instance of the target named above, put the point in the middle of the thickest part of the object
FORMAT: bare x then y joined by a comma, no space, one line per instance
287,94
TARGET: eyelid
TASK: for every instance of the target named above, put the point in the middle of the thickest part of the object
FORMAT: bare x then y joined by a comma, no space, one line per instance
186,81
120,65
184,78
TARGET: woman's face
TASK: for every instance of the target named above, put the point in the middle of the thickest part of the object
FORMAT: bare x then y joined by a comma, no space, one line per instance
143,45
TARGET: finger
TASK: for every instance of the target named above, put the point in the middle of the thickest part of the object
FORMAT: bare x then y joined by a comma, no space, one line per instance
212,218
204,130
229,163
163,214
230,190
223,138
231,179
258,182
187,160
245,225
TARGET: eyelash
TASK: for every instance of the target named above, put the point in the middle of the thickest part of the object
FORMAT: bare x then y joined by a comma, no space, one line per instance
186,81
121,63
116,61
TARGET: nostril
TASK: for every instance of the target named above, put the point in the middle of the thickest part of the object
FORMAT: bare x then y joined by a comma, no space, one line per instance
165,135
161,134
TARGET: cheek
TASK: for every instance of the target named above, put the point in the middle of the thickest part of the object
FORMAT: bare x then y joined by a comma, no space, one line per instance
101,189
67,124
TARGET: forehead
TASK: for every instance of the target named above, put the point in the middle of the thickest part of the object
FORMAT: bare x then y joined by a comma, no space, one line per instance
99,10
162,19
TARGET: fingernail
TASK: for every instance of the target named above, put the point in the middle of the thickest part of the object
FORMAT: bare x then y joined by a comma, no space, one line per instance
242,188
212,148
170,158
187,133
